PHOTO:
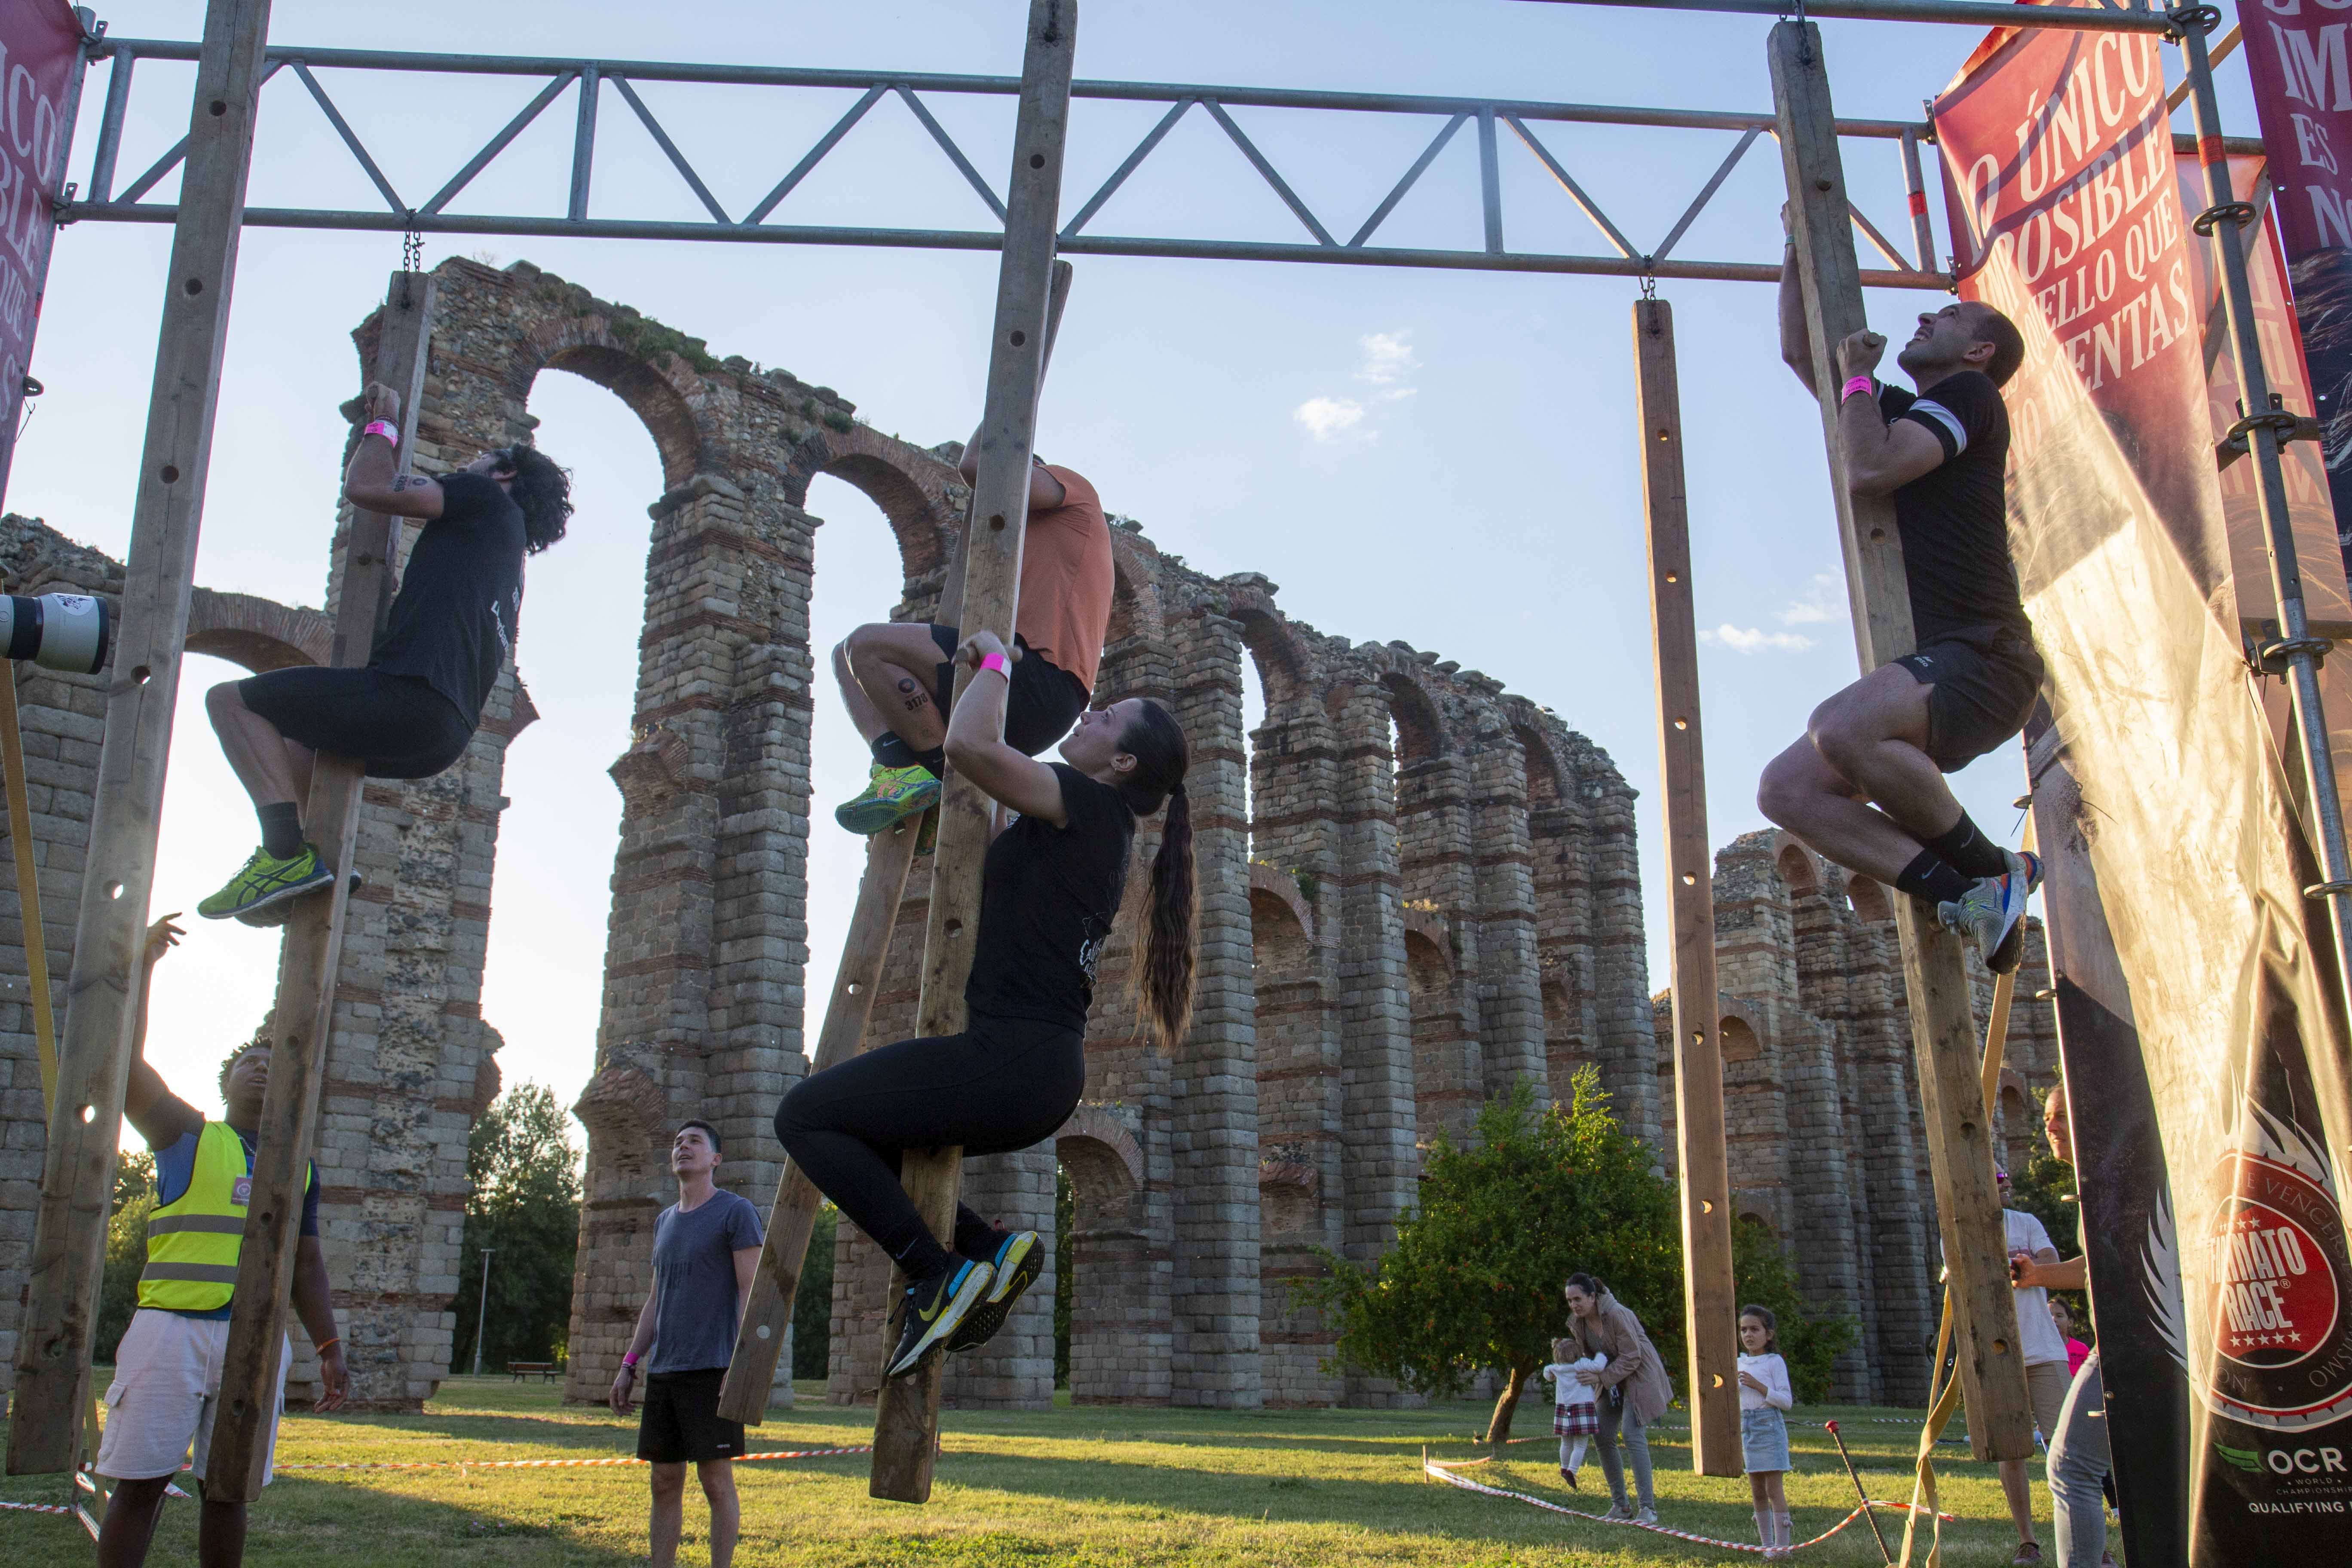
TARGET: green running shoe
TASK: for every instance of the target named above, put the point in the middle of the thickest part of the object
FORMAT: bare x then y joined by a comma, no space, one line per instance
931,1310
272,915
266,879
1019,1259
890,794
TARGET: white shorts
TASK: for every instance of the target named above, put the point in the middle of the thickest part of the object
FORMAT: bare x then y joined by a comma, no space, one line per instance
166,1389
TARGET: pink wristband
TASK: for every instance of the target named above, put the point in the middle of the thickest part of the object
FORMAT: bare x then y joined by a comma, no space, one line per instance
630,1360
1859,383
383,428
999,663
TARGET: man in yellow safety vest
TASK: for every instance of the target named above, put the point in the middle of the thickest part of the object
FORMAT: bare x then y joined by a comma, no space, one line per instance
167,1374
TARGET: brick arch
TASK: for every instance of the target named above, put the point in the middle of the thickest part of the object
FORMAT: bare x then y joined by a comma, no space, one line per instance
661,396
1101,1155
1420,730
1429,970
1797,870
921,494
1282,888
256,634
1543,768
1868,897
1283,668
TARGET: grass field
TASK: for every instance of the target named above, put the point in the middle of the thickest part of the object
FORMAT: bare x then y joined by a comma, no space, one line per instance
1094,1487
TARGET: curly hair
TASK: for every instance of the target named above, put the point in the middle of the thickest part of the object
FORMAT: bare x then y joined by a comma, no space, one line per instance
543,491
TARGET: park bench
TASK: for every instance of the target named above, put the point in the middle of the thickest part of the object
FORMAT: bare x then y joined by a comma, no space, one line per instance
523,1369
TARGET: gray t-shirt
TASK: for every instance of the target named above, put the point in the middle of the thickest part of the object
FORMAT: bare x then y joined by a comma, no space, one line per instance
694,1281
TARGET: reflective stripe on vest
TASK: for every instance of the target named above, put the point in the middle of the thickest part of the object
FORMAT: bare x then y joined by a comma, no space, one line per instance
193,1241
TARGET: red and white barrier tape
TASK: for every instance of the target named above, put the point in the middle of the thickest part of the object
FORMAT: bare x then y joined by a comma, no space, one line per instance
1440,1470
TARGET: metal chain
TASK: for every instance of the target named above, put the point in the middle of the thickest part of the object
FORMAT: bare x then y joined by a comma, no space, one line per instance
412,247
1649,282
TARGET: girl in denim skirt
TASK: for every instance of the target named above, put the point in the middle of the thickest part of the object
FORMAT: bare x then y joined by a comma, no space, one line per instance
1763,1431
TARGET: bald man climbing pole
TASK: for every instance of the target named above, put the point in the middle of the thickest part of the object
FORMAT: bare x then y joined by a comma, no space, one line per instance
897,676
1864,785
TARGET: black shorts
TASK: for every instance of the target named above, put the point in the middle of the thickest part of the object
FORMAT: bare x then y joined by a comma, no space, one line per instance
399,726
680,1423
1981,685
1044,702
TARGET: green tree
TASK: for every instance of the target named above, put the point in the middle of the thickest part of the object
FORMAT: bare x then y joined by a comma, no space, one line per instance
525,1208
126,1250
1475,1275
812,1306
1810,1340
2045,1189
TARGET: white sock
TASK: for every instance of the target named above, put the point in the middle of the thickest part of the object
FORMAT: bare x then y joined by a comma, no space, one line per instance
1764,1529
1788,1537
1575,1460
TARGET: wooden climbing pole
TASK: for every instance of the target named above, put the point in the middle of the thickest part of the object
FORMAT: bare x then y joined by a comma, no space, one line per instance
1960,1135
907,1411
312,954
759,1336
144,684
1710,1305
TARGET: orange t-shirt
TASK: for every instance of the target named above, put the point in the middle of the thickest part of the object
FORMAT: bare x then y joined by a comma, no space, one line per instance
1065,580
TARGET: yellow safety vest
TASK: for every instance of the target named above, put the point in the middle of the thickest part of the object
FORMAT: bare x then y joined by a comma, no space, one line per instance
193,1241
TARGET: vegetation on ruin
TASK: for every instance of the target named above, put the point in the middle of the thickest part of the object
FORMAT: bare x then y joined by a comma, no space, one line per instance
1474,1279
1094,1487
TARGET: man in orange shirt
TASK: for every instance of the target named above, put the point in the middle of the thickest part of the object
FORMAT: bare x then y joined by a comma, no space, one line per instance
897,676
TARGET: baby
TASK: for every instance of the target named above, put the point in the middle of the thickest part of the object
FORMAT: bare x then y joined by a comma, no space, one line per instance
1575,1409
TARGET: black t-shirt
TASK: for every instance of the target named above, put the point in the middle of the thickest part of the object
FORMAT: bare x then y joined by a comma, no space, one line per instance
1954,519
1047,897
461,598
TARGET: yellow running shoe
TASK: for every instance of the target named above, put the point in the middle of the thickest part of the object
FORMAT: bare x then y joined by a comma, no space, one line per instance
266,879
890,794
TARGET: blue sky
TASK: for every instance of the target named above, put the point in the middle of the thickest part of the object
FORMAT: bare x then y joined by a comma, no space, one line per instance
1444,458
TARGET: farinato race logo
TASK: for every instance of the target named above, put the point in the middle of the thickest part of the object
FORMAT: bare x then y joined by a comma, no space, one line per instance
2278,1284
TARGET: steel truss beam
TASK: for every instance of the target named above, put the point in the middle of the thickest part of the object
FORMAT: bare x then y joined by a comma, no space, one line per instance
1485,252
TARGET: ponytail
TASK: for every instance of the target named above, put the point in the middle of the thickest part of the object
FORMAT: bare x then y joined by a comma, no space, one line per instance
1157,742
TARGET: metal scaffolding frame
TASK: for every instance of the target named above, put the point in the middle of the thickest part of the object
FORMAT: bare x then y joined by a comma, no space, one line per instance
236,64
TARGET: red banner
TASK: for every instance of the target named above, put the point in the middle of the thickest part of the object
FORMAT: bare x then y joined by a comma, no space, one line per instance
40,68
2197,1020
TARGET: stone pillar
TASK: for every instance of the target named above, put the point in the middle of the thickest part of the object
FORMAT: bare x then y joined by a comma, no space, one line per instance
1626,1041
1442,943
1510,1006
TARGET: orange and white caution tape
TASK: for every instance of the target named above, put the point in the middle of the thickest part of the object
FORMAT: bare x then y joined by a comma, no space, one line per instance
1443,1470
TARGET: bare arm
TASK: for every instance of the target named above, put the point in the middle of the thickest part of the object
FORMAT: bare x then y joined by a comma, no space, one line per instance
625,1382
2049,1271
976,748
1796,341
146,1089
1046,492
1880,458
372,482
314,1304
747,1270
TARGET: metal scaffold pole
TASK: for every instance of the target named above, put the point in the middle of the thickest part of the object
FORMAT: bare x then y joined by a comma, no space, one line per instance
102,988
1943,1032
2297,652
907,1410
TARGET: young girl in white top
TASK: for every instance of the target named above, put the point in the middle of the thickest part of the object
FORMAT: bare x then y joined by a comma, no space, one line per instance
1576,1407
1763,1431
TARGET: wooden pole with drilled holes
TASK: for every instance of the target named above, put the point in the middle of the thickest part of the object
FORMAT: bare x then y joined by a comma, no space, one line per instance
1943,1036
907,1411
1710,1303
313,953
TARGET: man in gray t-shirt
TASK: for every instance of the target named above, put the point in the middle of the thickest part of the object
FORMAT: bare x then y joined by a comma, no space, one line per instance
706,1254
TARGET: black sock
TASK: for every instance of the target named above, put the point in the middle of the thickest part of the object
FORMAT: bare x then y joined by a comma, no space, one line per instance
975,1236
282,828
893,753
925,1260
1966,850
1931,878
935,759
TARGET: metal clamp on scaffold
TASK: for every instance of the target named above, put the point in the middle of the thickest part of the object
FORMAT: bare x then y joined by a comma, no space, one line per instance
2326,890
2277,655
2239,213
2186,19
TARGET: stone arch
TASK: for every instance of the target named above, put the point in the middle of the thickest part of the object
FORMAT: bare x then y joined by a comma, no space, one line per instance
1543,768
1282,925
1429,970
1283,667
1112,1277
1797,870
661,394
256,634
1868,897
1739,1039
1420,729
1100,1154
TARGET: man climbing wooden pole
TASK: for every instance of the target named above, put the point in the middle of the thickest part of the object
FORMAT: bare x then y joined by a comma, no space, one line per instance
1959,1141
78,1169
907,1410
304,1015
760,1338
1710,1305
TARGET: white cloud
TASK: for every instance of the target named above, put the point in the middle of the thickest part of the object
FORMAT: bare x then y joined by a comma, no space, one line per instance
1752,639
1333,419
1824,603
1387,360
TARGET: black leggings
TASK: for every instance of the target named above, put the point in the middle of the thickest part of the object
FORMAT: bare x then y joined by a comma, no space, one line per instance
1002,1084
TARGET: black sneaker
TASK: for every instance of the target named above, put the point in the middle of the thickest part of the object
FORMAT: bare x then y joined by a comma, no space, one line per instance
930,1311
1019,1259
